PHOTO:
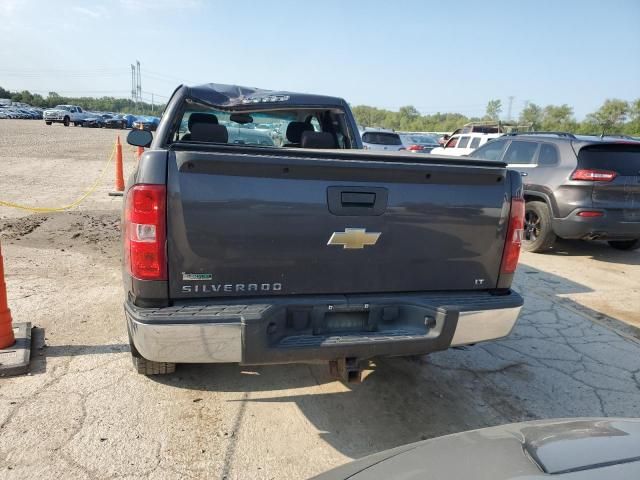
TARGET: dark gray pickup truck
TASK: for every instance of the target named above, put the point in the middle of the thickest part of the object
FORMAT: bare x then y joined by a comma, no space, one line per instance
257,231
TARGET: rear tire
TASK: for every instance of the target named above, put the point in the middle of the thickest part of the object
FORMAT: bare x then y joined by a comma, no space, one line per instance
47,123
66,121
625,244
538,233
147,367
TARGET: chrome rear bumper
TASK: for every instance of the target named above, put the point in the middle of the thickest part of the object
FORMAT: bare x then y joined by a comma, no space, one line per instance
202,337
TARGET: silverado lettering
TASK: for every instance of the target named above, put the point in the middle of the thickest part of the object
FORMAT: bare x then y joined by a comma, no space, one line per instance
227,287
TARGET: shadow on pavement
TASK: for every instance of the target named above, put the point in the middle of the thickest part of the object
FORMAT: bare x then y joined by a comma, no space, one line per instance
598,250
399,402
40,351
531,282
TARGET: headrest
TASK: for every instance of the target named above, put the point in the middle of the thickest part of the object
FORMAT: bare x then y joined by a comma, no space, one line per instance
295,130
199,117
318,140
209,132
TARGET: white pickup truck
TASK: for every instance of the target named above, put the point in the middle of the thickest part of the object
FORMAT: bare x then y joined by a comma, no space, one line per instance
65,114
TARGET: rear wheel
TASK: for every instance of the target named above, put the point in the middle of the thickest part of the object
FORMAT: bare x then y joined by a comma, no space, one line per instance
625,244
148,367
47,123
66,121
538,234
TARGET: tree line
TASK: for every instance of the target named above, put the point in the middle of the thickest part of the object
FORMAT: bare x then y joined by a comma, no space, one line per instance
613,117
102,104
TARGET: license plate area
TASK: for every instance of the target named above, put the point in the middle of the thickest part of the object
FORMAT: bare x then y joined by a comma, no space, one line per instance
343,319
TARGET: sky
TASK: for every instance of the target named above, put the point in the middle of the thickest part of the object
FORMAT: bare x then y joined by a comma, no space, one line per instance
438,56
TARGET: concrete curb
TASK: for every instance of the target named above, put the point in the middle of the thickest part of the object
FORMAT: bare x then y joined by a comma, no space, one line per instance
14,360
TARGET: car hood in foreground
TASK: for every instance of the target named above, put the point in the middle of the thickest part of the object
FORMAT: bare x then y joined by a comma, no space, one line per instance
576,449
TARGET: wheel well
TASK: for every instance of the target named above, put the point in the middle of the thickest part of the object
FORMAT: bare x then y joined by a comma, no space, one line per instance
534,198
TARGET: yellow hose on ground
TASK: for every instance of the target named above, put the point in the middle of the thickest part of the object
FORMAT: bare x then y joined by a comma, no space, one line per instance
92,188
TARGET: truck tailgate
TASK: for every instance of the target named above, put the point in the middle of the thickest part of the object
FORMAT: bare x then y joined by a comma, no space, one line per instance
259,224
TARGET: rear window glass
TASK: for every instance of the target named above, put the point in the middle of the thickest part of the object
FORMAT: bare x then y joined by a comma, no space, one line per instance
491,151
381,138
475,142
262,128
548,155
464,141
520,152
622,158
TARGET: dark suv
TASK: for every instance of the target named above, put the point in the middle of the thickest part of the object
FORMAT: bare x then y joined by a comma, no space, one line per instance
579,187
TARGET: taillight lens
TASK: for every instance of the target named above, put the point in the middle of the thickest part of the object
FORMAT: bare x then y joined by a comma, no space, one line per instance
414,148
145,232
515,233
592,175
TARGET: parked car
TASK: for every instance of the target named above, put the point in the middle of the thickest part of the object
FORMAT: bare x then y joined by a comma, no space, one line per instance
65,114
577,187
96,120
117,121
260,254
381,140
419,143
488,126
146,123
568,449
463,144
129,119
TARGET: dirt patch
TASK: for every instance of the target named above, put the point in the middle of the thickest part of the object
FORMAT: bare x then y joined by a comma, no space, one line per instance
85,231
13,229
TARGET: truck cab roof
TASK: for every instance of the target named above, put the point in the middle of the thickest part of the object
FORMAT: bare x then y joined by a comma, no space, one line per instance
236,96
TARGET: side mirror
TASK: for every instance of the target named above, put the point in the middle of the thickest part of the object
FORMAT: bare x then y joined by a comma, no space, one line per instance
139,138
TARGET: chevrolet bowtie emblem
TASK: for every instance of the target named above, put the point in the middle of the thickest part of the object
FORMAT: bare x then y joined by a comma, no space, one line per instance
354,238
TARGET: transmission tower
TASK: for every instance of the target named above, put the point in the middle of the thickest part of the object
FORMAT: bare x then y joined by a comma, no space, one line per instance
133,83
139,82
511,97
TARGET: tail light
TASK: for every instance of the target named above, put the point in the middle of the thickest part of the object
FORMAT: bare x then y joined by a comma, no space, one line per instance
145,232
514,236
591,175
414,148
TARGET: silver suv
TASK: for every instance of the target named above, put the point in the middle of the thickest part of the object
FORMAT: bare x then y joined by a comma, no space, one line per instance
382,140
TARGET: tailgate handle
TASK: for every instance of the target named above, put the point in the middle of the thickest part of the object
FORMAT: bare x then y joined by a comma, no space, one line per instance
357,199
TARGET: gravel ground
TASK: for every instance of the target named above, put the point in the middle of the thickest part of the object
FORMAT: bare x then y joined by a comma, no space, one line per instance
83,413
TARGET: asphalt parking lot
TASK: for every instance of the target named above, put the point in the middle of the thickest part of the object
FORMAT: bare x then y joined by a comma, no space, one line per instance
84,413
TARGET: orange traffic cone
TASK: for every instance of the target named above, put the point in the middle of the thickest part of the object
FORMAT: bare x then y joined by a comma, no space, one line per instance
119,186
140,152
6,323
